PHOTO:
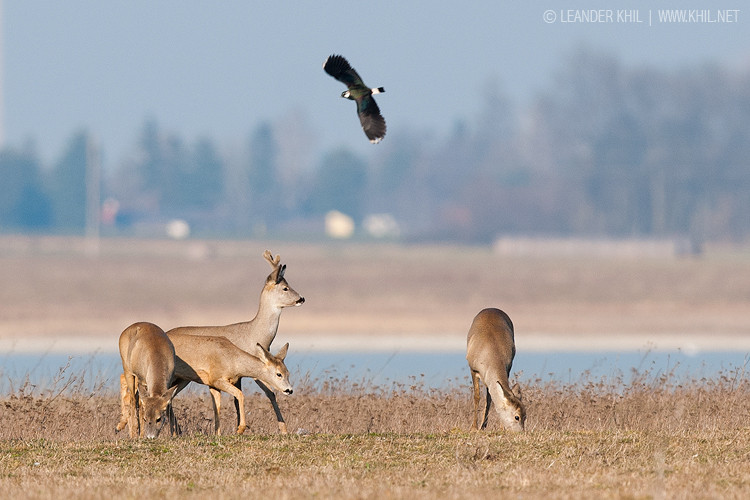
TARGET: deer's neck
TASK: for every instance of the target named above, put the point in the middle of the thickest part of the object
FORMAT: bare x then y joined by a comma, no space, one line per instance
249,366
493,376
266,323
154,370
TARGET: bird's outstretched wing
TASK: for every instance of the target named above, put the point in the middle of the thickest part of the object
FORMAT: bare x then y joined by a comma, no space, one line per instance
367,109
372,121
339,68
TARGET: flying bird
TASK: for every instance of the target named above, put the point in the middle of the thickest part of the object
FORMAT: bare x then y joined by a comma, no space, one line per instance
369,114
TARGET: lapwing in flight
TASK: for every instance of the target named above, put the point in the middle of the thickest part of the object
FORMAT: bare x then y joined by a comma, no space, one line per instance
369,114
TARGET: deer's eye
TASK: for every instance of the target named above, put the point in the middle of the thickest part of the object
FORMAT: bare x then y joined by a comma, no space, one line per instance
286,289
279,375
518,418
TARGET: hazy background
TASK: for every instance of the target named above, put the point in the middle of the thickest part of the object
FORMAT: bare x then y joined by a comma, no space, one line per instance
499,122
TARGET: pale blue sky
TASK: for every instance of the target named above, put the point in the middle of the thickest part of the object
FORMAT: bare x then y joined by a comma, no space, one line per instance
216,68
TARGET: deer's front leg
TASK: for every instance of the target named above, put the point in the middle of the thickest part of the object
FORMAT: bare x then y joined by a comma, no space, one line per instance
487,409
174,426
272,397
133,423
240,398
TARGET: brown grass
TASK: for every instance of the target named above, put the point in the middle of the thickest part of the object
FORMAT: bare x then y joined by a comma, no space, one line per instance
656,437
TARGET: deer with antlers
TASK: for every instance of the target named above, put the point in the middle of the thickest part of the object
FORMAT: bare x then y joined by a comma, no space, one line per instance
274,297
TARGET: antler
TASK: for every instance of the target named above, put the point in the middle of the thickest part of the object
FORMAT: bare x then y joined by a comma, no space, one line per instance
269,257
278,270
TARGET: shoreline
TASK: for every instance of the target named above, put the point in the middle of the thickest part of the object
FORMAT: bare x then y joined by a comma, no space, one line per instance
690,344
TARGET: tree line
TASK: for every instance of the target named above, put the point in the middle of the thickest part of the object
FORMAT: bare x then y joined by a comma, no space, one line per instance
607,150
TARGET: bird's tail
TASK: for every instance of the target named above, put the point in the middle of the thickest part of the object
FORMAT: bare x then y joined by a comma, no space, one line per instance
378,90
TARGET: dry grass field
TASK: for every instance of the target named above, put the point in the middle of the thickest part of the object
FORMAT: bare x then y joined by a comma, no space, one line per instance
655,436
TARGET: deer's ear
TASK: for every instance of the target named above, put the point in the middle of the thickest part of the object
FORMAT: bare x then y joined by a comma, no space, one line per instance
170,393
282,352
164,403
510,395
263,354
517,391
280,273
506,395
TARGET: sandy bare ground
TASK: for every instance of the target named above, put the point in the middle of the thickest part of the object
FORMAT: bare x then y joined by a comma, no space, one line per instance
56,295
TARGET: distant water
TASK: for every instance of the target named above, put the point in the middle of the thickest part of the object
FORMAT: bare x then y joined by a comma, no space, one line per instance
53,372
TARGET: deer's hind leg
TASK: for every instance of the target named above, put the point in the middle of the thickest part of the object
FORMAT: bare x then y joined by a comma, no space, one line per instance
125,402
477,395
216,400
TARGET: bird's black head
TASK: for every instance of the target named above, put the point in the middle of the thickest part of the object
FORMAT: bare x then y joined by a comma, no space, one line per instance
346,95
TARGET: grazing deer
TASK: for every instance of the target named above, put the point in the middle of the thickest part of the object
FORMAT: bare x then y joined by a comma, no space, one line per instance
148,368
219,364
490,349
276,295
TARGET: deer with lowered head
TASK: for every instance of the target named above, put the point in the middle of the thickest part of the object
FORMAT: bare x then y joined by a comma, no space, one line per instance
219,364
146,383
490,349
274,297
